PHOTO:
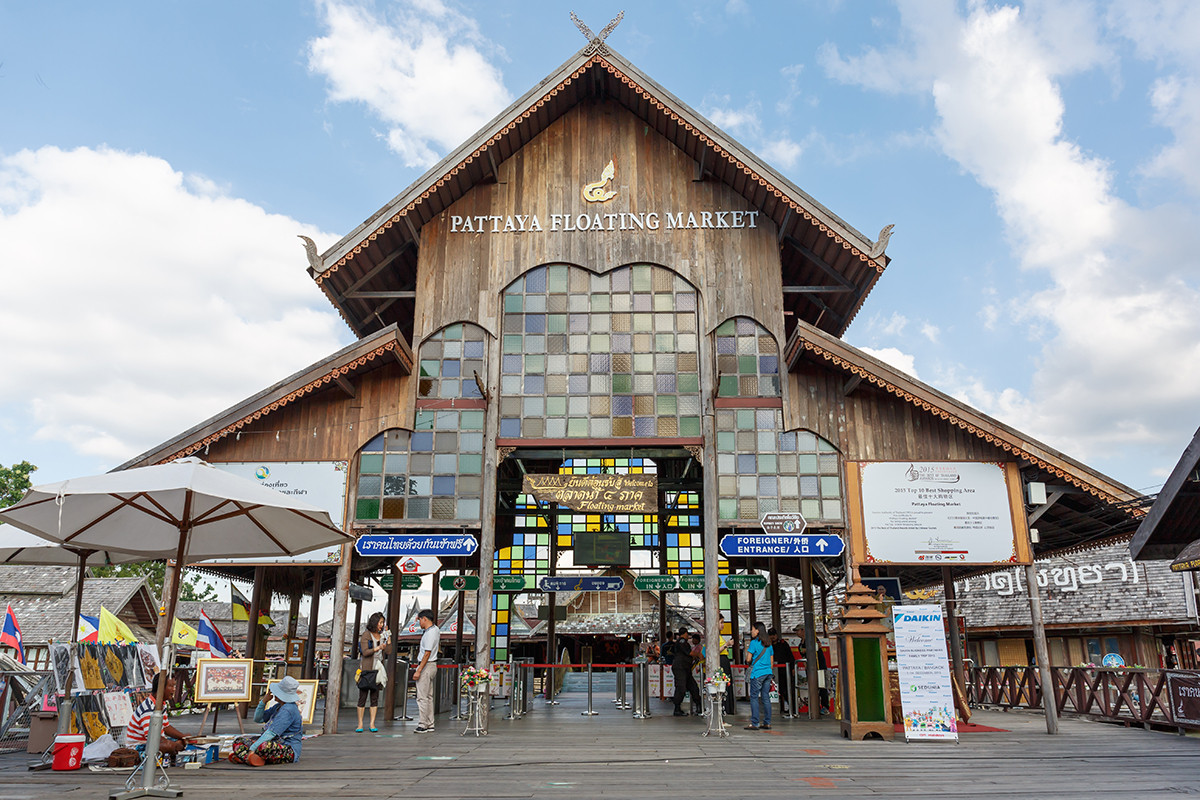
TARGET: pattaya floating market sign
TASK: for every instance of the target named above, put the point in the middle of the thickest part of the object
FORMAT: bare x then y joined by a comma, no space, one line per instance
612,221
597,494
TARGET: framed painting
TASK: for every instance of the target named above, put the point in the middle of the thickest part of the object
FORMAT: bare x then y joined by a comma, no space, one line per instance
224,680
308,699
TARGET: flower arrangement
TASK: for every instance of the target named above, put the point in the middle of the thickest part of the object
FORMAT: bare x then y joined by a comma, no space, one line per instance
718,677
472,677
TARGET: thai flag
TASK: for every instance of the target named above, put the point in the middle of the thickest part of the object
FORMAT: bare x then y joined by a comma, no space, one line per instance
89,628
10,634
210,639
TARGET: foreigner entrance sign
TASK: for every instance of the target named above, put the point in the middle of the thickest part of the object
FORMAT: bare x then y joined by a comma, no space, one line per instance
764,544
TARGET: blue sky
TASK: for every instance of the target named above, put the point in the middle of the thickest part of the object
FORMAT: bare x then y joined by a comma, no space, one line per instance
1041,163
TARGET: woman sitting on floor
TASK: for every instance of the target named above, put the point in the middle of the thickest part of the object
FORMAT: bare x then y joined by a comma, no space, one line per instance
280,740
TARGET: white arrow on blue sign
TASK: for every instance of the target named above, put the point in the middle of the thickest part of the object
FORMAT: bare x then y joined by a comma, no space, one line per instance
767,544
575,583
416,544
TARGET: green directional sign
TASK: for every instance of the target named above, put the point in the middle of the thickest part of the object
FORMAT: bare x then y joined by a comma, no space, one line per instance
459,583
656,583
739,583
408,583
691,583
511,583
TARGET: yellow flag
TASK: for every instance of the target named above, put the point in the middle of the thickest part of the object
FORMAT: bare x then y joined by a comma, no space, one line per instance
113,630
240,608
182,633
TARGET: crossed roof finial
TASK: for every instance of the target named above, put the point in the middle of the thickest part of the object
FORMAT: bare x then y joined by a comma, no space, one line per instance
596,41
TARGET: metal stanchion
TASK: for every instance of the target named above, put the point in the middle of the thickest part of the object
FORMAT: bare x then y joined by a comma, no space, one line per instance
402,668
641,691
622,700
787,692
589,712
550,694
457,671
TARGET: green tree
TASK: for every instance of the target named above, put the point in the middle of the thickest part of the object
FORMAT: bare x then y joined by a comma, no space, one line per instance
14,482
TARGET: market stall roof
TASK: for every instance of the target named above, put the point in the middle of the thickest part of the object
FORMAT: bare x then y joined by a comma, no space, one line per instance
828,266
1174,520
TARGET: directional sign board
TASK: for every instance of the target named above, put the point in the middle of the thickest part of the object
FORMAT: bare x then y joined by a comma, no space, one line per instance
764,544
576,583
416,544
408,583
511,583
783,522
738,583
419,565
691,583
459,583
656,583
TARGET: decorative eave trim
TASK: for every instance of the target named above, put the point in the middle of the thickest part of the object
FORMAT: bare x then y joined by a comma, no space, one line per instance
969,427
656,103
308,388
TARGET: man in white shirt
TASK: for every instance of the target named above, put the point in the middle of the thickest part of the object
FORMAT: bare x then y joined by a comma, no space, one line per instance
431,639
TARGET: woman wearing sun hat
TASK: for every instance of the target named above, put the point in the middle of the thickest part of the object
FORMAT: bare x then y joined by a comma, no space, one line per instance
281,737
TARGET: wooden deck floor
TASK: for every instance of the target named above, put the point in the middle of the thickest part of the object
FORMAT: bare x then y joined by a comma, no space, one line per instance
554,752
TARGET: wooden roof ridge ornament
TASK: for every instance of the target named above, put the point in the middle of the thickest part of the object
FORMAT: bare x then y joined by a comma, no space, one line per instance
865,693
596,41
315,264
881,242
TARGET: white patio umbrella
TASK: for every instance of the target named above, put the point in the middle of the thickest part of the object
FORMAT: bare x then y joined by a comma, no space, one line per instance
187,510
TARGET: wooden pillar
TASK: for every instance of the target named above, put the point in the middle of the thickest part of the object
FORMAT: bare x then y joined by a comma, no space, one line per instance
752,602
165,624
709,504
812,657
776,615
458,633
1049,702
956,652
252,628
337,641
389,693
435,598
488,501
735,631
309,670
551,603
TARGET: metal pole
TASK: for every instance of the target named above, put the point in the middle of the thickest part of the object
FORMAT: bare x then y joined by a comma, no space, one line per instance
404,688
789,674
1049,702
309,670
589,712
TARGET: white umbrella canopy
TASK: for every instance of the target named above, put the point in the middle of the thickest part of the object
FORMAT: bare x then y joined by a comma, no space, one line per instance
188,510
19,547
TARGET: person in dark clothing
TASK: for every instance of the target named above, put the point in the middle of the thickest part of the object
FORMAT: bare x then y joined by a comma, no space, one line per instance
823,693
681,669
784,660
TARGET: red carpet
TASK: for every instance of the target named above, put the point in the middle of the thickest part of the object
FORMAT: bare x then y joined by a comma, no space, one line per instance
966,727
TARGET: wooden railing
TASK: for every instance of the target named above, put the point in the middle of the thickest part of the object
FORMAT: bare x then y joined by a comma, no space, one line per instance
1118,695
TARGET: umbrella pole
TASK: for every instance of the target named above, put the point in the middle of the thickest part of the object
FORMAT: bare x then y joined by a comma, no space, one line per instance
64,708
150,764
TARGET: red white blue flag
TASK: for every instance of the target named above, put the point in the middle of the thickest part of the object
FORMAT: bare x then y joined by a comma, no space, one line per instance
10,634
210,639
89,628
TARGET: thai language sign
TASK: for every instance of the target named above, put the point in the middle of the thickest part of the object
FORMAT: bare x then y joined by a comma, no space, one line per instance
942,512
926,694
1183,688
420,544
597,494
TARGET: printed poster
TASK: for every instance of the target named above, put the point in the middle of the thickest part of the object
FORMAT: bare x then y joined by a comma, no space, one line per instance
926,694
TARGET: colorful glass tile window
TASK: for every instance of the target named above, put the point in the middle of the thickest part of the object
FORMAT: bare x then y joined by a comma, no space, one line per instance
621,347
761,468
747,360
501,616
529,553
432,472
642,529
449,360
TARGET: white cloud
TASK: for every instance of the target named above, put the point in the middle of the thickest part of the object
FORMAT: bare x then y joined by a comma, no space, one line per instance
421,69
1121,332
931,332
139,301
890,355
779,149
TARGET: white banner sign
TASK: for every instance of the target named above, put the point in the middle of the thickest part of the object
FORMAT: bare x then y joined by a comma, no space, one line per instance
926,694
318,483
954,512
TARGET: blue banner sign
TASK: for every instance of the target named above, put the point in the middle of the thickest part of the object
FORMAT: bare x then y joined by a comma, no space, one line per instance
416,544
576,583
766,544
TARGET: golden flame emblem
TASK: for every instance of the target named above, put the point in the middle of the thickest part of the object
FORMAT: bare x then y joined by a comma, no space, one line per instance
595,192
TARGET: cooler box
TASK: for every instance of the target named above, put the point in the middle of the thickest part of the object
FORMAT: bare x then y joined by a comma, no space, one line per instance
68,751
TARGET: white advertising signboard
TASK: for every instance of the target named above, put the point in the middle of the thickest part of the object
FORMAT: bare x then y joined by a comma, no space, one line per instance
926,694
318,483
955,512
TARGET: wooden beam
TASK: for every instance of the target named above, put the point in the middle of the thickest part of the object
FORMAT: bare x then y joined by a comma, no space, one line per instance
400,295
818,262
817,289
700,163
1036,514
787,218
375,270
416,235
344,385
851,385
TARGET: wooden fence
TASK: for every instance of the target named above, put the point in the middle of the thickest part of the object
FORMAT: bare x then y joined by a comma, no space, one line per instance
1132,696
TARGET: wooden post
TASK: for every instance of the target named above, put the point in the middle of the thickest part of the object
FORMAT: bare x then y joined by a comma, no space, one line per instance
458,633
487,523
165,624
310,647
337,640
551,603
735,630
357,619
709,505
956,652
776,615
1049,702
252,627
435,598
752,602
812,657
389,693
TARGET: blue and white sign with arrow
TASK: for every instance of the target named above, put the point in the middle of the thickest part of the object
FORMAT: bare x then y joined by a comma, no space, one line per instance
752,543
416,544
577,583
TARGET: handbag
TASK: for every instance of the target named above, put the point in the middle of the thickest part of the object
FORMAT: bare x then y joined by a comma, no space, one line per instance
366,680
